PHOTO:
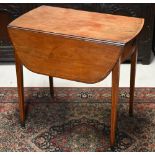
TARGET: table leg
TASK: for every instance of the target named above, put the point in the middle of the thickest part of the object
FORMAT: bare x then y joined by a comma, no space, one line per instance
132,80
19,73
115,95
51,86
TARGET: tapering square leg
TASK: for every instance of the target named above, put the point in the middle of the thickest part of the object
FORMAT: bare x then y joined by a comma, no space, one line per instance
51,86
132,80
115,95
19,73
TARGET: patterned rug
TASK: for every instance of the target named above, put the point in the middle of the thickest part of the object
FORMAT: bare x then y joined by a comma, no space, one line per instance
77,119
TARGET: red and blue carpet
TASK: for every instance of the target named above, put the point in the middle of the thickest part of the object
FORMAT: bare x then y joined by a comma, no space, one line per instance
77,119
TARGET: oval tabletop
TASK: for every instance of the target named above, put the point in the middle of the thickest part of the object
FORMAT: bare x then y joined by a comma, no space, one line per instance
72,44
77,23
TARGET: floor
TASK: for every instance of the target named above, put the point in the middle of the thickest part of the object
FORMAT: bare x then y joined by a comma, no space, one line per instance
144,78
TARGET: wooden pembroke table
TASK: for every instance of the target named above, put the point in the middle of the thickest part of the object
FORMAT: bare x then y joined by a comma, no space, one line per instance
75,45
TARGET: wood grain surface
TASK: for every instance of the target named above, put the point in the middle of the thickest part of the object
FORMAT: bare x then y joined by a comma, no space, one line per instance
61,57
71,44
83,24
